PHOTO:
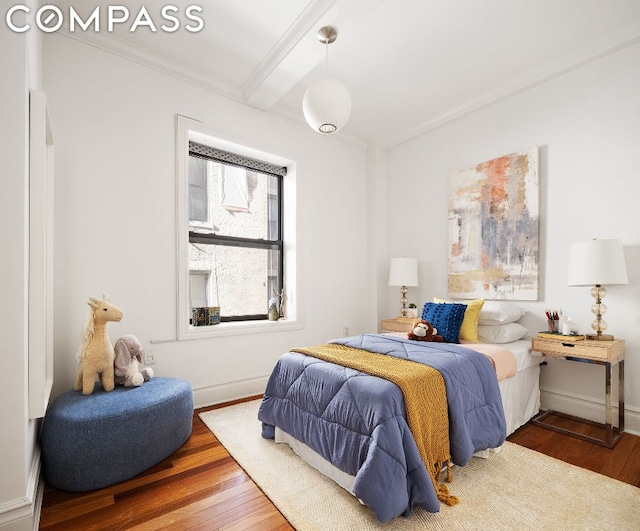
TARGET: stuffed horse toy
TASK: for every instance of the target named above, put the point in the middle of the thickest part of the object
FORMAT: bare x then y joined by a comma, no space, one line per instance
96,354
127,364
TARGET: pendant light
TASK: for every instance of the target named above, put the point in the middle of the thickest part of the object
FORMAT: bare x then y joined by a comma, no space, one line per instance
327,104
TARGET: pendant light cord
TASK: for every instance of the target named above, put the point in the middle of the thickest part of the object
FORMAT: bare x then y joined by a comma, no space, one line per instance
326,44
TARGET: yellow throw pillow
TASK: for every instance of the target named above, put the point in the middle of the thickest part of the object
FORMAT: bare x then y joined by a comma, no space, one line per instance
469,328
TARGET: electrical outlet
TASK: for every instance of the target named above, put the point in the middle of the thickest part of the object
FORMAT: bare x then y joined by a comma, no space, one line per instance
149,357
345,331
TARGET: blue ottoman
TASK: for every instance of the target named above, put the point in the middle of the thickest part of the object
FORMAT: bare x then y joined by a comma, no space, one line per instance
91,442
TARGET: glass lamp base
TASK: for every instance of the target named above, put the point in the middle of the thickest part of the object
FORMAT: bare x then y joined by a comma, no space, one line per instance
601,337
598,309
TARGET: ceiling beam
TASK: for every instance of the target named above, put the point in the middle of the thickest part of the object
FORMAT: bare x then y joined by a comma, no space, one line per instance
298,51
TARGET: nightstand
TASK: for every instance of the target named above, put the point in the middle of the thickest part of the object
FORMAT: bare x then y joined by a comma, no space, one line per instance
398,324
606,353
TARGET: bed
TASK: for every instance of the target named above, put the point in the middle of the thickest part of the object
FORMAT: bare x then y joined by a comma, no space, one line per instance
520,394
357,433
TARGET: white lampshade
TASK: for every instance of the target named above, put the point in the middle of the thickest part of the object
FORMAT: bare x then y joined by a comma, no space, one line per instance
326,105
597,262
403,272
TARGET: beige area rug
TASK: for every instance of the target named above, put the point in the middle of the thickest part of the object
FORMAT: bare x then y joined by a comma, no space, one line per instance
515,489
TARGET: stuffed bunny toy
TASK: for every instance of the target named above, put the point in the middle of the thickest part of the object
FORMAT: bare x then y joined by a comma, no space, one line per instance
127,371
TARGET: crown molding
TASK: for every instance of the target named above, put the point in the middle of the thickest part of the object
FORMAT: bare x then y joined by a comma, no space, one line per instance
117,46
605,44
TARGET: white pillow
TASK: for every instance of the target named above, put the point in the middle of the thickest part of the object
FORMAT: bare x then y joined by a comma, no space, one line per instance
502,333
495,312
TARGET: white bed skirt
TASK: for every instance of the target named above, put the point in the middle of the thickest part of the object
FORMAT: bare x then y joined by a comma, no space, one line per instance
318,462
520,397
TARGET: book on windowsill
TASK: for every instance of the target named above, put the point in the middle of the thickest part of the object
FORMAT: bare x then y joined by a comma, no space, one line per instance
560,337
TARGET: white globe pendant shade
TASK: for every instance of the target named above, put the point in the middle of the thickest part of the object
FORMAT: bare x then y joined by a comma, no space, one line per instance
326,105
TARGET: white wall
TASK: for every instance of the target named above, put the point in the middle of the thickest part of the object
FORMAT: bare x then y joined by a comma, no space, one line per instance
115,217
587,124
378,236
20,70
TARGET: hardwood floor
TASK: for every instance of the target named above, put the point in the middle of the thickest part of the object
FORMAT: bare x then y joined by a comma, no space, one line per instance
201,487
622,462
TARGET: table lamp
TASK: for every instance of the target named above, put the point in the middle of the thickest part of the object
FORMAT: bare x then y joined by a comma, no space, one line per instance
594,263
403,272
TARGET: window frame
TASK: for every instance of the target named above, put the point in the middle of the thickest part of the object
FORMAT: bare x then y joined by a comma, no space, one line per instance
187,130
204,233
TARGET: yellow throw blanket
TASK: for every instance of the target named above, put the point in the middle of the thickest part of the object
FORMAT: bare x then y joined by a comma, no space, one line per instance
425,401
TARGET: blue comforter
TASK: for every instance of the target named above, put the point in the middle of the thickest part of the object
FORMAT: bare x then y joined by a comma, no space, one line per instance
357,421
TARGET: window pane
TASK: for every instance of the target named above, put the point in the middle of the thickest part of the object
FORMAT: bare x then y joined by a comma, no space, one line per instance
241,201
198,288
198,190
243,279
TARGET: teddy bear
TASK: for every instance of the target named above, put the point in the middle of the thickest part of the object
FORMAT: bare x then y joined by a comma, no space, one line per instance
424,331
127,371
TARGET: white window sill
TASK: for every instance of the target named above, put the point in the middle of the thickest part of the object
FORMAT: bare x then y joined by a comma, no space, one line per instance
237,328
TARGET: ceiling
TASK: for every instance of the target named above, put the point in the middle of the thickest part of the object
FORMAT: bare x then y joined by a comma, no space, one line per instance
410,65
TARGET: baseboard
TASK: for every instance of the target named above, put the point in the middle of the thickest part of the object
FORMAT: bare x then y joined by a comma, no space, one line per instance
216,394
23,514
588,408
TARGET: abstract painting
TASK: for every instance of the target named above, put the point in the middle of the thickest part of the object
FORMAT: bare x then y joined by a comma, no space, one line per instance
493,228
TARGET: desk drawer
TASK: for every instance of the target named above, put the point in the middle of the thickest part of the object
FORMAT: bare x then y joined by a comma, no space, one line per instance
599,350
398,324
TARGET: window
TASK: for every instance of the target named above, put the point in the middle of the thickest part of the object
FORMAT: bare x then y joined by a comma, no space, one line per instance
236,232
235,250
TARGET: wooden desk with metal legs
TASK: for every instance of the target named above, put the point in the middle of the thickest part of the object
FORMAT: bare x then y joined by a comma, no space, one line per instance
607,353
